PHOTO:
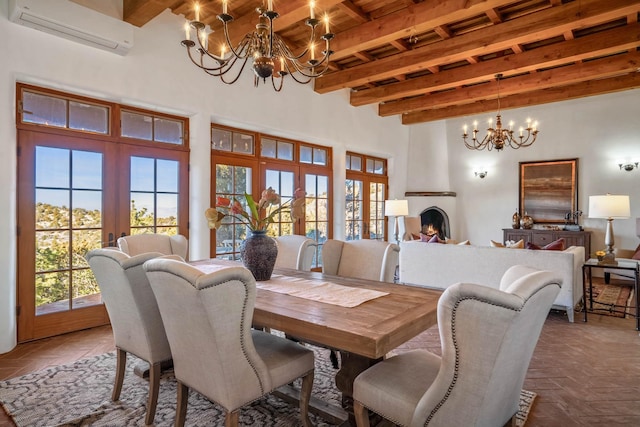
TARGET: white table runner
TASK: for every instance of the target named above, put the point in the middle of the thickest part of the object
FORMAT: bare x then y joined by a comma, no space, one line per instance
315,290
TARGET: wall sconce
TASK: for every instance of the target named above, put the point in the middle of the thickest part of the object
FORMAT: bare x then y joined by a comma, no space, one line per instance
628,166
481,174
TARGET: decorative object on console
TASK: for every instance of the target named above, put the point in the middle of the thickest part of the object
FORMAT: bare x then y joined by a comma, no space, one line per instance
526,222
396,208
628,166
610,207
498,138
515,220
571,221
270,54
549,189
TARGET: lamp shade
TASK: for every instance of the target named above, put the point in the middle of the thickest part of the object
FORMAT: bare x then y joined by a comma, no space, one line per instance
609,206
396,208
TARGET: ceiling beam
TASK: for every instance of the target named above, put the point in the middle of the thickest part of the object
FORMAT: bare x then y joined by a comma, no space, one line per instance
416,18
537,97
534,27
139,12
594,45
584,71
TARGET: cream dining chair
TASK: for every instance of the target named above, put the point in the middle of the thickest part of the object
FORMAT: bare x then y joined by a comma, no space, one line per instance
135,318
136,244
295,252
487,337
215,351
363,259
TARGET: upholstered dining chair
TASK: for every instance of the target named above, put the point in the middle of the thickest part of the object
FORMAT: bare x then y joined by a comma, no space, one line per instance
295,252
487,337
135,318
363,259
168,245
215,351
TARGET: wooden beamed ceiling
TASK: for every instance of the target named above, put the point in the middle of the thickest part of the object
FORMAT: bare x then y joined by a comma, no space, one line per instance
429,60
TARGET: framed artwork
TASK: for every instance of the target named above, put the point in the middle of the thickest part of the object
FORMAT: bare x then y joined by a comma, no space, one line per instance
549,189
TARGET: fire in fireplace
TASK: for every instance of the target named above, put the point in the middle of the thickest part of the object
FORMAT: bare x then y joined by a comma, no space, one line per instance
435,221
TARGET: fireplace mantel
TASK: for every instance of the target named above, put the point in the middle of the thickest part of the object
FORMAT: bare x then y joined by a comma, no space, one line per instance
430,194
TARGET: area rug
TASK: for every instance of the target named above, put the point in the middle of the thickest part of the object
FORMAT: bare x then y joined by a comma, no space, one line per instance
79,394
605,296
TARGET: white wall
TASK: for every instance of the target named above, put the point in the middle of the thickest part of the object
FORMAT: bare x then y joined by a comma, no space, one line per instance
600,131
156,74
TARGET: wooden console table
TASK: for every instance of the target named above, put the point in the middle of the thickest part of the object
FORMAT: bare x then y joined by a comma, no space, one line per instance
543,237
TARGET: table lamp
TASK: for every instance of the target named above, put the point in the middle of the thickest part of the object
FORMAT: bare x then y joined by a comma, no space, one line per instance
610,207
396,208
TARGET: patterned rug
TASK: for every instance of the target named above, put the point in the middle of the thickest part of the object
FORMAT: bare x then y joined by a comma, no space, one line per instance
616,293
79,394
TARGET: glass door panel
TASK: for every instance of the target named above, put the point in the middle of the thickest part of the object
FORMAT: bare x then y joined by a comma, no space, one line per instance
68,191
376,210
232,182
284,182
354,210
153,195
317,212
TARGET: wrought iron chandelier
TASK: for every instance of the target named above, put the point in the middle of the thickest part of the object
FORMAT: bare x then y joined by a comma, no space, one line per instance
270,55
498,137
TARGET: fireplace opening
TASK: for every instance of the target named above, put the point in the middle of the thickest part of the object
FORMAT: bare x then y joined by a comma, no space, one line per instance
435,221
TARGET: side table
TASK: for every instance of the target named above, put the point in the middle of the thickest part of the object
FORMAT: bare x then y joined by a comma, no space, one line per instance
624,267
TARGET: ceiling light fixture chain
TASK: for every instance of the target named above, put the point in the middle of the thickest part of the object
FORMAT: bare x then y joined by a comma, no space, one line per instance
498,137
271,56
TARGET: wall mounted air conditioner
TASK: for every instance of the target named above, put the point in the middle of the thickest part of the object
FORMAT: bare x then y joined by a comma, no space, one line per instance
66,19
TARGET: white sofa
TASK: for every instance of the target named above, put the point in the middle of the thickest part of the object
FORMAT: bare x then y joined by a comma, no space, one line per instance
440,266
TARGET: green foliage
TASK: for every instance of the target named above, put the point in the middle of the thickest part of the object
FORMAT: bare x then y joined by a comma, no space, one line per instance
62,271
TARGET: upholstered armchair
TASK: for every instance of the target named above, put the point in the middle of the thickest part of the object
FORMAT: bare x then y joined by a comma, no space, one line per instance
295,252
409,226
215,351
135,318
168,245
364,259
487,337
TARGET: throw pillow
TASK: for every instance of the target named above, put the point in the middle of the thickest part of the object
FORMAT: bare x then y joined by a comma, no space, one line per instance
464,243
512,245
637,254
431,239
556,245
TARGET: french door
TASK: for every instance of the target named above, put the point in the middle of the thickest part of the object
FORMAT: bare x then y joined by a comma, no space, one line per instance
365,208
76,194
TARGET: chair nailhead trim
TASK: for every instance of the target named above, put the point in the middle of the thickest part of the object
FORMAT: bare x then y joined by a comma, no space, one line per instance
456,346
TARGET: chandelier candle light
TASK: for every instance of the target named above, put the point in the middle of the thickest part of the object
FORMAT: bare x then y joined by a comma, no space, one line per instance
271,56
498,137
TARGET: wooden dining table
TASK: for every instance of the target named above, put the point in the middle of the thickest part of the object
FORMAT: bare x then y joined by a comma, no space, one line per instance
363,334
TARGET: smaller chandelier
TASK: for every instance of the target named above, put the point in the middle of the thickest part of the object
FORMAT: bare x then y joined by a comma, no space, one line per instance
498,137
271,57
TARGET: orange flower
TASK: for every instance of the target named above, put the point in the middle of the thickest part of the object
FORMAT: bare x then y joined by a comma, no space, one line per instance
259,215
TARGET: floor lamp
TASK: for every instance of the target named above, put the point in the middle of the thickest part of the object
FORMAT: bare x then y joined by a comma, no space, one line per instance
396,208
610,207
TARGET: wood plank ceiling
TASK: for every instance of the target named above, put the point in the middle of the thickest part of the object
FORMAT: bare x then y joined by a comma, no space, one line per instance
435,59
